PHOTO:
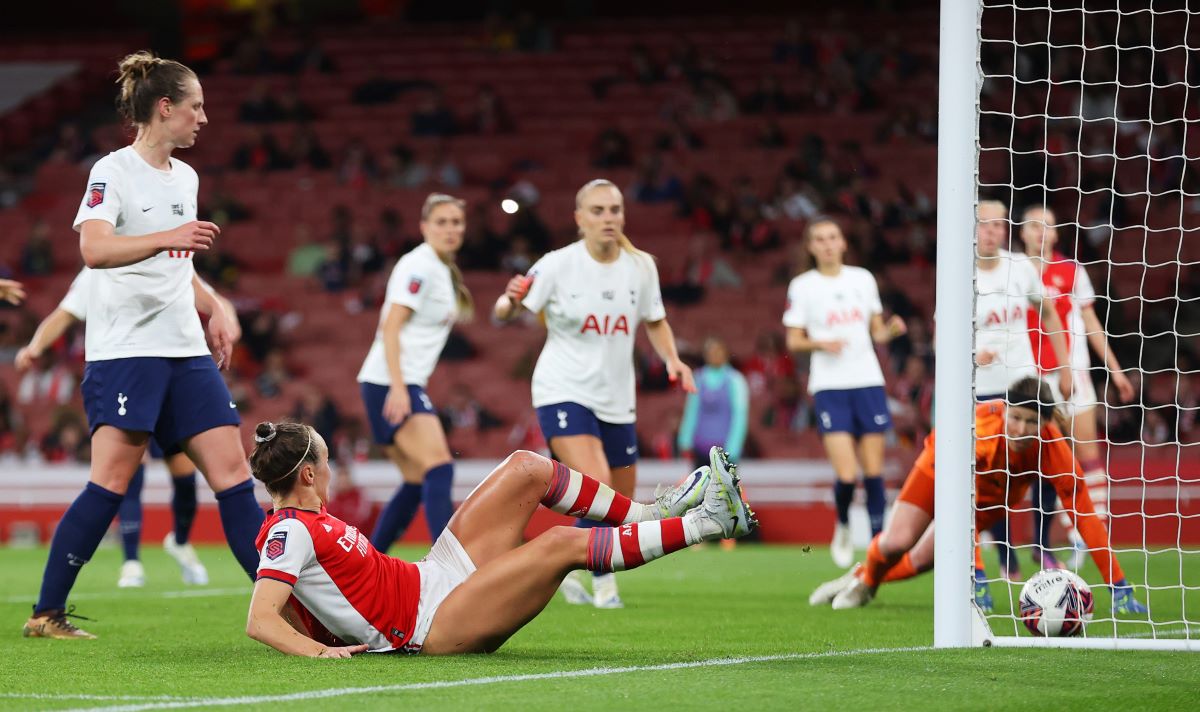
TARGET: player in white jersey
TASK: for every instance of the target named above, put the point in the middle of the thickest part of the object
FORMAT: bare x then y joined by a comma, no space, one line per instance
834,313
1068,286
73,310
324,591
592,294
1007,287
425,296
149,369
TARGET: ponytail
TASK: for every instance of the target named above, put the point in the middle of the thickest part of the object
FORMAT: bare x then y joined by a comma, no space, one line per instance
144,79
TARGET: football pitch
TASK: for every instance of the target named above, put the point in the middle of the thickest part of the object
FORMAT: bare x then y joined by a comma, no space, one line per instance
703,629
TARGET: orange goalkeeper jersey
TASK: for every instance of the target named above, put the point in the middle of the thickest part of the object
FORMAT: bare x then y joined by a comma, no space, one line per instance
1002,478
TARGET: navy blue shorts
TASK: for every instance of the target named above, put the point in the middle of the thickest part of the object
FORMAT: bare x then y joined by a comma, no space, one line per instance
619,440
374,395
857,411
158,453
170,398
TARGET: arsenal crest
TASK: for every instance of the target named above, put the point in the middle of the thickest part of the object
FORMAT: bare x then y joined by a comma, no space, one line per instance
276,545
95,194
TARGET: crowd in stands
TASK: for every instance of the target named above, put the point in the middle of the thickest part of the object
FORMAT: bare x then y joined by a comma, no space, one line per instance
732,220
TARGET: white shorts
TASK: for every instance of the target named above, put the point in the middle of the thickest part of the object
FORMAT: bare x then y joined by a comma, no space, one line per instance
443,569
1083,393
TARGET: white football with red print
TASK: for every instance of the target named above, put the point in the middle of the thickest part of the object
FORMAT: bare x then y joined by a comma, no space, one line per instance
1056,603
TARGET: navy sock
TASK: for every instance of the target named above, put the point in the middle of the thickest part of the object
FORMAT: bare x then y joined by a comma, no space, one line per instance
843,493
876,501
130,515
183,506
397,514
75,540
241,518
436,498
1045,499
999,532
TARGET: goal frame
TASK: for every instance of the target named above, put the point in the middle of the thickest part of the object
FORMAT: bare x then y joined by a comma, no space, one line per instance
957,622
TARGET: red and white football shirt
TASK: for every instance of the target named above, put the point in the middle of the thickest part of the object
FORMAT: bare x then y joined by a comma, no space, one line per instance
1066,282
359,594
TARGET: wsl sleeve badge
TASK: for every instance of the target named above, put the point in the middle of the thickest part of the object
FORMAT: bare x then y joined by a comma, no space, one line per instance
414,285
95,194
276,545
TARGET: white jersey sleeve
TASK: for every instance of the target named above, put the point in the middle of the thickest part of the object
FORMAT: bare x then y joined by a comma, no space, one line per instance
651,303
541,288
794,314
1083,294
287,551
104,195
76,300
1027,281
408,284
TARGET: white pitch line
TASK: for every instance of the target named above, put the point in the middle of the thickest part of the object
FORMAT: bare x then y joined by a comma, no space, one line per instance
114,698
114,595
564,674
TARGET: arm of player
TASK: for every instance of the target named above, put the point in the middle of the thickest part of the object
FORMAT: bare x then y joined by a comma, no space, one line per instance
1063,471
223,324
266,624
799,342
1099,341
397,406
1058,341
102,248
882,332
11,291
509,306
47,333
663,341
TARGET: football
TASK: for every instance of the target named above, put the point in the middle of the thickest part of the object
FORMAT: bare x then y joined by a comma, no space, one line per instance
1056,604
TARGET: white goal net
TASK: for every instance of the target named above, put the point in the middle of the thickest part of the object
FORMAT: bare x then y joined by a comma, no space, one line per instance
1087,129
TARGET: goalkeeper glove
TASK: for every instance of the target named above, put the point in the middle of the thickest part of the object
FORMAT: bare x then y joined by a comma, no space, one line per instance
983,594
1123,601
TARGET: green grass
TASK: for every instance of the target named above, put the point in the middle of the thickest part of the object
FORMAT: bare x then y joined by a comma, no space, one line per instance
694,606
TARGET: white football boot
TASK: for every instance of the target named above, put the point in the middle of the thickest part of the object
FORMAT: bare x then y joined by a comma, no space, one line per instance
842,546
133,575
604,591
826,592
675,501
193,571
573,590
724,513
855,595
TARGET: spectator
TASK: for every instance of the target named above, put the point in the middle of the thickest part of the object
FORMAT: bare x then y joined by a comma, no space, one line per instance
306,257
770,363
292,108
349,502
678,136
796,46
400,169
792,200
911,402
713,101
751,231
519,258
769,98
259,107
702,269
483,247
261,334
217,266
48,381
306,151
273,375
37,256
432,117
222,207
366,257
10,423
68,439
653,184
717,413
612,149
445,172
333,272
771,136
642,66
317,410
463,411
309,58
357,167
260,152
491,114
532,34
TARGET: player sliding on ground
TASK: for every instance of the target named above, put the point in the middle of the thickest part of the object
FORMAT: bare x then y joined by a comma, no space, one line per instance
481,582
1015,443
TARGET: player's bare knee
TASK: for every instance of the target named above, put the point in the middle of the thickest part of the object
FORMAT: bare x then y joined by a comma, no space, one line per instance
527,465
565,542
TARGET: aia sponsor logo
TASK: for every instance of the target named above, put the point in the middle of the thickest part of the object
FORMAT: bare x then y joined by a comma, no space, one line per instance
999,317
606,325
842,317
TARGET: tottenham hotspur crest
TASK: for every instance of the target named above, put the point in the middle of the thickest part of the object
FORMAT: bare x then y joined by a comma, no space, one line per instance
122,399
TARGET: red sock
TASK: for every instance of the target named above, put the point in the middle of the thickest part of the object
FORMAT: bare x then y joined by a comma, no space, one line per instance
631,545
577,495
877,564
903,569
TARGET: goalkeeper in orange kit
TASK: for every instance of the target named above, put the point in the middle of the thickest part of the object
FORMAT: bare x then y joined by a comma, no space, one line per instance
1016,442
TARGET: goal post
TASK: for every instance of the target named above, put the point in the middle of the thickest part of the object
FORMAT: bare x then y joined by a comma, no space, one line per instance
958,91
1085,107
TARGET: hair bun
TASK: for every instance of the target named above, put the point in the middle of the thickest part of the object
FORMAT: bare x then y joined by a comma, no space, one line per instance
264,432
